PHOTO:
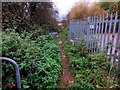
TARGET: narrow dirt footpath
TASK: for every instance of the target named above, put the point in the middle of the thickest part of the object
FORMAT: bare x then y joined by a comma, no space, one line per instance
67,78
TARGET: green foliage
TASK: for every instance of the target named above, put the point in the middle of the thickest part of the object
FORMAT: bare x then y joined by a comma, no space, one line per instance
37,56
82,85
80,48
111,7
90,70
86,69
22,16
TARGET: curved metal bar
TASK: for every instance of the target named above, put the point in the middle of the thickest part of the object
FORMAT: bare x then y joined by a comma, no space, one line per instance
17,70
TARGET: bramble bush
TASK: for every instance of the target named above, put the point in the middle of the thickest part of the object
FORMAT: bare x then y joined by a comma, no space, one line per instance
37,56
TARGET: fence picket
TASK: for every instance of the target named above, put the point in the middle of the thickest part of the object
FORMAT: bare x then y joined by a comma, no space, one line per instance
118,46
99,32
106,23
114,30
101,41
94,30
98,29
90,36
110,26
92,41
96,33
88,31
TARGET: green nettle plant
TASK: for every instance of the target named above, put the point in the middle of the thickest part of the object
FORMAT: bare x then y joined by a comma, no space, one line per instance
37,56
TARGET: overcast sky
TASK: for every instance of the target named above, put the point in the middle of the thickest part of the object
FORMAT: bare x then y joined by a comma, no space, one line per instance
64,6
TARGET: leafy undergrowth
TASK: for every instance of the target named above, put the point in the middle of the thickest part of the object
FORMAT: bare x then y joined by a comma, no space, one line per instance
91,70
37,56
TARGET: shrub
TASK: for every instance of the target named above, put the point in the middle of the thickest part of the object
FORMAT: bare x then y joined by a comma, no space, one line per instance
37,56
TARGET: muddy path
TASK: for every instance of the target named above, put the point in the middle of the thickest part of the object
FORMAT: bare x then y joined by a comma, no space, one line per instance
66,78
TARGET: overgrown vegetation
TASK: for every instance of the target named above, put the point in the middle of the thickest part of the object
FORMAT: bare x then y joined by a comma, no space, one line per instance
25,39
37,56
22,16
90,70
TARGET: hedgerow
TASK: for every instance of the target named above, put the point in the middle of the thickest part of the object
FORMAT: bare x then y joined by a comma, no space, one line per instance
37,56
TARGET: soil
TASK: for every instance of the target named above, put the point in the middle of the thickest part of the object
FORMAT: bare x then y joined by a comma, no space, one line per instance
66,78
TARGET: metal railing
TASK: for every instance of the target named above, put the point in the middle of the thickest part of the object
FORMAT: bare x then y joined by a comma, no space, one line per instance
98,32
17,70
101,33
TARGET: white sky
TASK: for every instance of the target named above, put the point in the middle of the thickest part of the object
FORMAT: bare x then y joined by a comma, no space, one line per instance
64,6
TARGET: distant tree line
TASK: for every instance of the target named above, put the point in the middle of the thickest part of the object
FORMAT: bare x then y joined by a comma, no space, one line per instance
85,9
